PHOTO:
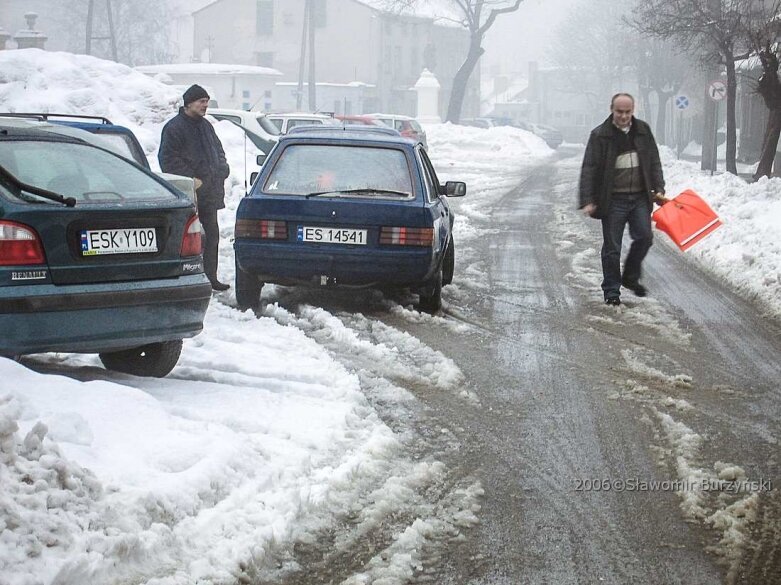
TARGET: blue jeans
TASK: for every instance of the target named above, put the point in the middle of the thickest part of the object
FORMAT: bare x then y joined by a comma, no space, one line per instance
625,208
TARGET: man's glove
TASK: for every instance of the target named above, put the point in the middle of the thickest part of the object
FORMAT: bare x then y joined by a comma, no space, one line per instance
660,198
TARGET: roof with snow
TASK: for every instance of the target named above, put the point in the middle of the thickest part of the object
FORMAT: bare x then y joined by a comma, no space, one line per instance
208,69
442,12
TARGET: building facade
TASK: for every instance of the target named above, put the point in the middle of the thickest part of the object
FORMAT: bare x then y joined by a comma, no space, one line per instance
354,43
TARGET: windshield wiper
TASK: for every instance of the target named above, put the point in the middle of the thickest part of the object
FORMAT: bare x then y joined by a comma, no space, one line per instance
363,190
50,195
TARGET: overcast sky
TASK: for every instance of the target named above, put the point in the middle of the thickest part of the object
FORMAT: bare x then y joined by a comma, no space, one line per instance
524,36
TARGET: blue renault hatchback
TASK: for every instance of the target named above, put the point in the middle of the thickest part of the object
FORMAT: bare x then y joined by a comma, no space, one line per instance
351,206
96,254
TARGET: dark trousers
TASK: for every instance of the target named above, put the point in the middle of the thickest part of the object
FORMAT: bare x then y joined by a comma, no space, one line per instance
211,240
625,208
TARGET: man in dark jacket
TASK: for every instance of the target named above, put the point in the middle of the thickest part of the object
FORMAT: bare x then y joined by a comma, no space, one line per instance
190,147
620,179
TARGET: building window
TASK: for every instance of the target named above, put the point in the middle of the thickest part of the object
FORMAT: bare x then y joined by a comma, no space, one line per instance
397,65
265,59
264,24
245,94
267,94
413,61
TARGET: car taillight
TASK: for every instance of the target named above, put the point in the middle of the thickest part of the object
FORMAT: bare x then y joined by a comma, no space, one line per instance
19,245
191,241
407,236
267,229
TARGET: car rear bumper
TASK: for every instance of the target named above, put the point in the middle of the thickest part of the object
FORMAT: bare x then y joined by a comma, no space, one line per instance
100,317
289,263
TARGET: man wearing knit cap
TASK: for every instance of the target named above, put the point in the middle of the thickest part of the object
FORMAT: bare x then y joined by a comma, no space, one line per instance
190,147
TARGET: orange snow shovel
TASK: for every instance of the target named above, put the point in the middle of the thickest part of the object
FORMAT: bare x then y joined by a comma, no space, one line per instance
687,219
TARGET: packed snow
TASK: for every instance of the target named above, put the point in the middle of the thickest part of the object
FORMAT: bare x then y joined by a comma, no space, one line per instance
266,424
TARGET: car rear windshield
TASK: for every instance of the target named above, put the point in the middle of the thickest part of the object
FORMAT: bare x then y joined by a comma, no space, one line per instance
122,145
80,171
304,169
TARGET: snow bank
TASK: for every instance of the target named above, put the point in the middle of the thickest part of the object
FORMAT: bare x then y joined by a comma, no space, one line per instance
32,80
746,250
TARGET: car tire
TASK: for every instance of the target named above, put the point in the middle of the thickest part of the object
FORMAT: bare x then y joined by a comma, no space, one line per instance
248,289
449,263
432,302
154,360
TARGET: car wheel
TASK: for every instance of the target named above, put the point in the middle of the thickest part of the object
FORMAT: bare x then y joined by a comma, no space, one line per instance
432,302
248,289
449,263
154,360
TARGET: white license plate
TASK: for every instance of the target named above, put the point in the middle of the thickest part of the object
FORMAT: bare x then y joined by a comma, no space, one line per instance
331,235
119,241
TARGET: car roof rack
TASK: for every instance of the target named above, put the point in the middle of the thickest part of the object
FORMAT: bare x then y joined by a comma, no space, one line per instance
307,129
44,117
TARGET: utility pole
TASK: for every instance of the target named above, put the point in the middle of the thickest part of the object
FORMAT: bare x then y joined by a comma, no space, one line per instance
302,58
710,121
111,37
312,82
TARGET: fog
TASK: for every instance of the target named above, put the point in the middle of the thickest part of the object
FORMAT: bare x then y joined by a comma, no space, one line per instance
553,62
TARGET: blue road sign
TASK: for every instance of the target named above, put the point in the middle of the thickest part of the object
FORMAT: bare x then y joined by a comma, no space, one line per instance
681,102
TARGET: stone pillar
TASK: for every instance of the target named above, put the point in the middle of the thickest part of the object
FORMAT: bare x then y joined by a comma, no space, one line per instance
428,87
30,38
4,36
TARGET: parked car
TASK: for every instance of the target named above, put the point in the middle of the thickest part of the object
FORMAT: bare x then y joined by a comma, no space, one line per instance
484,123
346,206
97,254
358,121
261,131
114,137
287,121
552,136
407,126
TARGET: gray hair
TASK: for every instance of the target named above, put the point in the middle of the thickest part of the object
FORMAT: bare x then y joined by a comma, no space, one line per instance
618,95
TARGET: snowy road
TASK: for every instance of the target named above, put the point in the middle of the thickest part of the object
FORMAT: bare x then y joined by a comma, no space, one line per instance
613,445
581,407
347,438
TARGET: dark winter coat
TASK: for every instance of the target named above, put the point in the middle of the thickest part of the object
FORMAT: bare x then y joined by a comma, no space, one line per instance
599,162
189,146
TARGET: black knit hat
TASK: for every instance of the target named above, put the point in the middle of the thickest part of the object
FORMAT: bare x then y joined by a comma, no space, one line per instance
193,94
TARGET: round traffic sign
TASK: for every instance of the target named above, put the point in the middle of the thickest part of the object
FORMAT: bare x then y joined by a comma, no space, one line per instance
681,102
717,90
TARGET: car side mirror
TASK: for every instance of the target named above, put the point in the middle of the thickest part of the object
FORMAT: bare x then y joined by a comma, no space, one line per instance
455,188
260,159
253,177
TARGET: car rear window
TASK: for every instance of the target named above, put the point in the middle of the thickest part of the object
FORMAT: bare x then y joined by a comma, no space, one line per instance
121,144
293,122
303,169
80,171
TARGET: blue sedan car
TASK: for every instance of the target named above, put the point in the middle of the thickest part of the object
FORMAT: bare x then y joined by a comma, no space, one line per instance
97,254
352,206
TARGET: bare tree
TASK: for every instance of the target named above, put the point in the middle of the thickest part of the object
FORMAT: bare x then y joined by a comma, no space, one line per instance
711,28
662,71
478,17
597,63
763,30
141,29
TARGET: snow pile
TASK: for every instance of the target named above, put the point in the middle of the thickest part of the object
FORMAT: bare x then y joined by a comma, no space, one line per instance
200,472
32,80
720,498
746,250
